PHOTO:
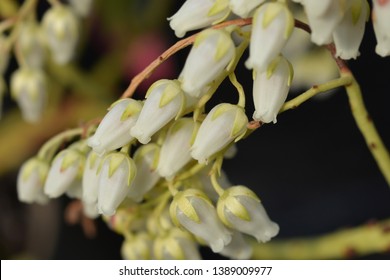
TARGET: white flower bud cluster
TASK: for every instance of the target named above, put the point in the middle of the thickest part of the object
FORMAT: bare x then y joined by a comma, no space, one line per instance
57,35
150,167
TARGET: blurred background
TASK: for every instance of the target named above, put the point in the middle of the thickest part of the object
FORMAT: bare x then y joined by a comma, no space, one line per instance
312,170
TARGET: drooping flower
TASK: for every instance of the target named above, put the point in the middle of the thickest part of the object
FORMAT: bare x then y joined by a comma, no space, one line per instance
175,151
195,14
113,131
240,208
30,181
66,167
61,30
273,24
238,248
90,210
192,210
381,22
116,175
243,8
270,90
210,55
28,88
145,159
176,245
323,17
224,124
31,44
348,35
164,102
90,178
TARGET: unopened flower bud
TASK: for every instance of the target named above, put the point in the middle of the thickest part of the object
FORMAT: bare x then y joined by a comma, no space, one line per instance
323,17
195,14
116,175
31,179
349,33
164,102
381,22
238,248
243,8
273,24
90,210
224,124
90,179
240,208
137,247
210,55
61,30
31,44
270,89
145,159
176,245
81,7
192,210
113,131
67,167
28,88
175,151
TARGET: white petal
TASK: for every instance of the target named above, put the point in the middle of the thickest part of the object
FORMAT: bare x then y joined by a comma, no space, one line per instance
90,179
243,8
81,7
194,14
210,55
113,131
175,151
381,22
210,227
270,91
31,45
154,115
238,248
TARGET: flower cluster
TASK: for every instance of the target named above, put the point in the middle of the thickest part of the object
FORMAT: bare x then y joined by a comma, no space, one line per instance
34,43
153,168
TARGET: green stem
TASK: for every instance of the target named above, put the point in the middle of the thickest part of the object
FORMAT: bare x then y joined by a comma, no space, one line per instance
346,243
367,126
240,89
294,103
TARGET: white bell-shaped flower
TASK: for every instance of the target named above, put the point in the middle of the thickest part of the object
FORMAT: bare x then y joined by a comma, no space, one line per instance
192,210
175,151
4,53
273,24
90,210
348,35
61,30
176,245
66,168
196,14
238,248
164,101
270,90
224,124
31,44
381,22
210,55
81,8
30,181
113,131
137,247
28,89
240,208
116,175
243,8
145,159
323,17
90,180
